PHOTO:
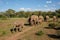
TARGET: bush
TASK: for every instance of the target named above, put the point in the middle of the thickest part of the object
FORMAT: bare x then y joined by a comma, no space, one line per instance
39,33
58,32
59,22
4,17
52,25
58,26
3,33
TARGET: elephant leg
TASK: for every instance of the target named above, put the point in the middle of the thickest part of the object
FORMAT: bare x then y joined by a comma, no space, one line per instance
15,29
29,22
11,30
19,29
36,22
32,23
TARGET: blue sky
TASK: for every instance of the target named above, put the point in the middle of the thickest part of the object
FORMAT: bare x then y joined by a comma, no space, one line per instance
31,5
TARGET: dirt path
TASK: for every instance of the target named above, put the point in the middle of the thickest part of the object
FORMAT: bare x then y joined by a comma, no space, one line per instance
16,35
41,27
21,34
30,31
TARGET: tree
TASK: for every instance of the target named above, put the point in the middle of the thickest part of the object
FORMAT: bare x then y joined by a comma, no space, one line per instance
28,14
10,13
58,11
20,14
44,14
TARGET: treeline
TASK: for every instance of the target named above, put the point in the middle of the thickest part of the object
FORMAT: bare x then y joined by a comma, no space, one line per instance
10,13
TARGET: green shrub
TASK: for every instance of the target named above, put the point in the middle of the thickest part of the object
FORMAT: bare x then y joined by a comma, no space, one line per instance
52,25
39,33
58,21
4,17
58,25
3,33
58,32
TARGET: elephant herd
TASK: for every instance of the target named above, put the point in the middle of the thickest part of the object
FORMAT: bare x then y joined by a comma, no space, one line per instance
33,20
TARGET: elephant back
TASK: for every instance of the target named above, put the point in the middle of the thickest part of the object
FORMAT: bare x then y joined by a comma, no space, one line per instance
34,17
41,18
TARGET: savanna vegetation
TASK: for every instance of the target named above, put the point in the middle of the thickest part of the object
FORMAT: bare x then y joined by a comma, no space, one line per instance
10,16
10,13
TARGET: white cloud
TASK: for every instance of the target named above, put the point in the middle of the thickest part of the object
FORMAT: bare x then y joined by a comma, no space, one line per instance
28,9
53,8
37,9
48,1
22,9
50,9
25,9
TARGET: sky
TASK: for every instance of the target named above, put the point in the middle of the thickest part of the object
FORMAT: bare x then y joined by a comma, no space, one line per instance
30,5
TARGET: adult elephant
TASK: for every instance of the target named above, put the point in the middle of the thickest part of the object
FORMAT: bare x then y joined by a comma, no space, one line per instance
55,18
47,18
33,19
40,19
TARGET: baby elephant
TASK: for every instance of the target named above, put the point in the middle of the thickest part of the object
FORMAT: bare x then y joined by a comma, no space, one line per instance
13,30
17,27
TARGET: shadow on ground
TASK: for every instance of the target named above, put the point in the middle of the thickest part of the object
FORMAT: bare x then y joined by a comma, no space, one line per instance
57,28
27,24
54,36
48,28
52,28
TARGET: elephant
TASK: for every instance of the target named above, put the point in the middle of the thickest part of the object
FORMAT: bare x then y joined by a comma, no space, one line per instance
11,30
29,20
19,26
46,18
15,29
33,19
55,18
40,19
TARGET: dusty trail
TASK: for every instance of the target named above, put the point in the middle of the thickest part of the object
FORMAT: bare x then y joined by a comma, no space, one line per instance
27,31
49,31
16,35
32,30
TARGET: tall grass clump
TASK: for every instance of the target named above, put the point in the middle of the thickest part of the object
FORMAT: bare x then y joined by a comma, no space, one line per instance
39,33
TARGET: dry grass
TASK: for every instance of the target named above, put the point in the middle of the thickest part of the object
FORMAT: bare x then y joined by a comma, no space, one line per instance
5,26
